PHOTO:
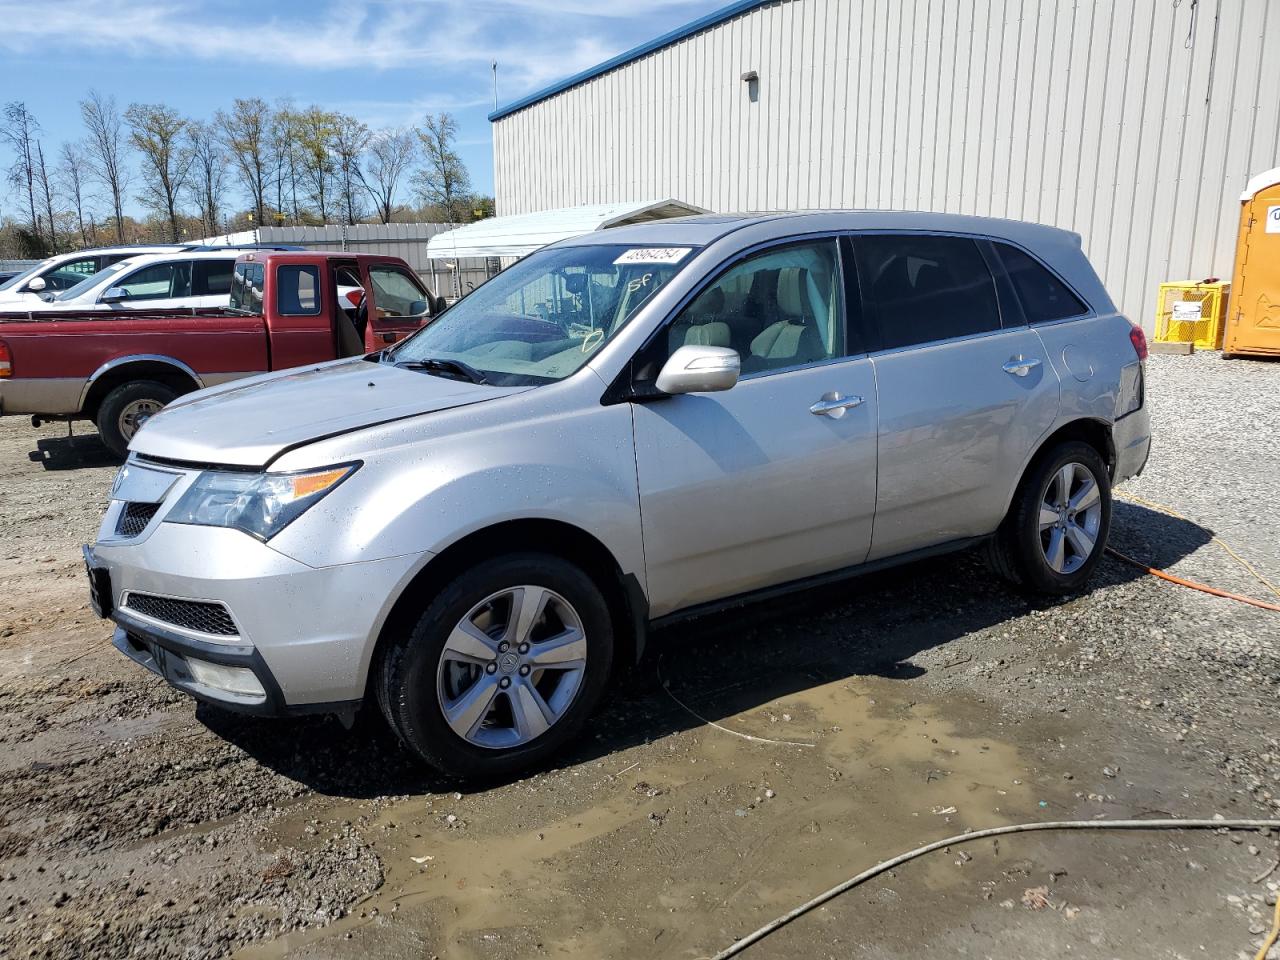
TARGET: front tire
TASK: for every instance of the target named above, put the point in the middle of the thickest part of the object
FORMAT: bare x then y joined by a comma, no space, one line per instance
126,408
502,668
1056,530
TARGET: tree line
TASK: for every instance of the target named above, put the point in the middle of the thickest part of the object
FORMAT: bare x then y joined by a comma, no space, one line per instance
252,164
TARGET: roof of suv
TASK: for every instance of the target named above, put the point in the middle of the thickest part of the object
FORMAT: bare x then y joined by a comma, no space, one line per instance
707,228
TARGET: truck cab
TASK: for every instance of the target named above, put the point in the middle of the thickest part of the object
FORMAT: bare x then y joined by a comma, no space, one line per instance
285,309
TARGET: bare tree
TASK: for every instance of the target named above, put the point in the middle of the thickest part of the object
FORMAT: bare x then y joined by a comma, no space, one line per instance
106,151
208,173
314,131
246,131
73,174
350,138
284,147
159,134
44,187
391,153
19,132
444,183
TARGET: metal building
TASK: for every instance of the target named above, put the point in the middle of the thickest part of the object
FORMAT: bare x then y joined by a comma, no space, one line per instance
1135,123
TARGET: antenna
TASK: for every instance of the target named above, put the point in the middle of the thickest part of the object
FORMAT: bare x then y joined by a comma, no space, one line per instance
494,67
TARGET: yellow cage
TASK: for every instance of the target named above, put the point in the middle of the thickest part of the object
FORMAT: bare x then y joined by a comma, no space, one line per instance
1187,311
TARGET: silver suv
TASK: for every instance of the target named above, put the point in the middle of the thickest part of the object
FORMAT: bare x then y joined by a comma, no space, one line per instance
470,531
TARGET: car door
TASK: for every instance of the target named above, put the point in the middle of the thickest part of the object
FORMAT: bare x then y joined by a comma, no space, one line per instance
774,479
964,398
399,306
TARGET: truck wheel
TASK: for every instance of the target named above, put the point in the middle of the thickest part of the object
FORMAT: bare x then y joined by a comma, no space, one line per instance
126,408
1056,530
503,667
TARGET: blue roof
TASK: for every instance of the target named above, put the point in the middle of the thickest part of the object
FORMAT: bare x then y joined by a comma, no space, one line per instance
635,53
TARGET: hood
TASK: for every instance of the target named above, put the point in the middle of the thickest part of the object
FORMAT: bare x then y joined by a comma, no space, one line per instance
250,424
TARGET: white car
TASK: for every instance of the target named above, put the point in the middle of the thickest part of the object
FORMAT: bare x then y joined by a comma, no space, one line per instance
157,281
62,272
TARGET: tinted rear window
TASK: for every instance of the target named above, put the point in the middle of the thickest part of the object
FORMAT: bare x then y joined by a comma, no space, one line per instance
211,277
1044,297
926,288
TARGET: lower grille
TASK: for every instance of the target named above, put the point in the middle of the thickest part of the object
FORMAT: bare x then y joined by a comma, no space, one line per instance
135,517
201,615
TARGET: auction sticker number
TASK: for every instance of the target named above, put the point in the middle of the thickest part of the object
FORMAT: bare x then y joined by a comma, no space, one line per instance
653,255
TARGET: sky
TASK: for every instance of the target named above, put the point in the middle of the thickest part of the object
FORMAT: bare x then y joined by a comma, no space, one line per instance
388,62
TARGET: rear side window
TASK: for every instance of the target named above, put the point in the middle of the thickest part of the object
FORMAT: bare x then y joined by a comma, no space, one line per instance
926,288
1044,297
211,278
246,287
297,290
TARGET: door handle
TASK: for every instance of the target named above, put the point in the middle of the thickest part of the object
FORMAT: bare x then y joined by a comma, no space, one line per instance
1021,366
833,404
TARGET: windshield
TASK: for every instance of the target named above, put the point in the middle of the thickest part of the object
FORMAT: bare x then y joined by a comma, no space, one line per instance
22,277
88,283
543,318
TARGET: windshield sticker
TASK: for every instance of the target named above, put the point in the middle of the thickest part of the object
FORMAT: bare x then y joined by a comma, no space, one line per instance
653,255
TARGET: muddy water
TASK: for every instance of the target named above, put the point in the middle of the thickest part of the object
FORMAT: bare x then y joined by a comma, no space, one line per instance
673,847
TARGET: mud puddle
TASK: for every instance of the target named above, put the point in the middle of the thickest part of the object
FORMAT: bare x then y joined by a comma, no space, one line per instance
671,848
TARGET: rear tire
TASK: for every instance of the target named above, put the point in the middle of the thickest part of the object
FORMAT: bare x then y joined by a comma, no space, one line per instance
1056,530
471,707
126,408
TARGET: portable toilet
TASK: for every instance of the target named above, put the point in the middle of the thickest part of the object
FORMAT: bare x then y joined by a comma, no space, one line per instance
1253,318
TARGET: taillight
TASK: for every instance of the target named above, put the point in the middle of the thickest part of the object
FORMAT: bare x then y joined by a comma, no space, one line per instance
6,360
1139,340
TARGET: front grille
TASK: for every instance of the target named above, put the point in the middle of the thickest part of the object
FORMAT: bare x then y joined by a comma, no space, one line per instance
135,517
201,615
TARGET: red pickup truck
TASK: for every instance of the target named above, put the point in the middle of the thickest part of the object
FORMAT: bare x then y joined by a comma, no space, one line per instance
286,309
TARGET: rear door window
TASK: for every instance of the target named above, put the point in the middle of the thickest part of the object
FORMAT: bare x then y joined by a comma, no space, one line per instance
70,272
1044,297
211,278
925,288
297,290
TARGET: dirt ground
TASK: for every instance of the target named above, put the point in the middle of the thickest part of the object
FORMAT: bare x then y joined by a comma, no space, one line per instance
752,761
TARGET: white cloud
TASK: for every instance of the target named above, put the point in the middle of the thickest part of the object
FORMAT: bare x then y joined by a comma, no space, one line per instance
534,41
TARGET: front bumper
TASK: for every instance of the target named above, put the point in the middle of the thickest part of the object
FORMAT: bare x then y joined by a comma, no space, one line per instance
305,633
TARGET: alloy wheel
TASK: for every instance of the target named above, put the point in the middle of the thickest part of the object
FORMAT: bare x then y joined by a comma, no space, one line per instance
511,668
1070,517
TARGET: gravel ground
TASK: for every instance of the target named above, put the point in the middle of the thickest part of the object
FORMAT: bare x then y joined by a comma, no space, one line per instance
886,712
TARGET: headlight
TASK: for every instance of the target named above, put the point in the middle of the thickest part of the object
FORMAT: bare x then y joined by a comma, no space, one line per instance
261,504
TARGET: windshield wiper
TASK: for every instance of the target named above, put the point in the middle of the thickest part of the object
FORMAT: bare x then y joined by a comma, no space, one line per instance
442,365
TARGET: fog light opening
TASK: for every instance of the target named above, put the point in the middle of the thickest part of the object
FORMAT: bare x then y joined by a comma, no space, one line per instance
236,680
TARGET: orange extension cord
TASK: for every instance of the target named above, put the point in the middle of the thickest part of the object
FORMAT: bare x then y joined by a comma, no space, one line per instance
1204,588
1181,581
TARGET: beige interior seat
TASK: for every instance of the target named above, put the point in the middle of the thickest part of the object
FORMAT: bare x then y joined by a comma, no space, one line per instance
703,324
794,339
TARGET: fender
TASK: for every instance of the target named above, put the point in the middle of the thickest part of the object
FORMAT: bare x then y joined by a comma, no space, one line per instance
116,362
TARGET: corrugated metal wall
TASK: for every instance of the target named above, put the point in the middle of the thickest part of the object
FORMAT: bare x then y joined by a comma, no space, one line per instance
408,241
1135,123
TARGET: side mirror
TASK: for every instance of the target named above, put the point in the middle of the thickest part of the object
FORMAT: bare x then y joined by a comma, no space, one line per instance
36,284
114,295
419,308
699,369
440,305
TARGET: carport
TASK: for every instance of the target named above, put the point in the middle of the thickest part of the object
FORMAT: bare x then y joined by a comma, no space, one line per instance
513,237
